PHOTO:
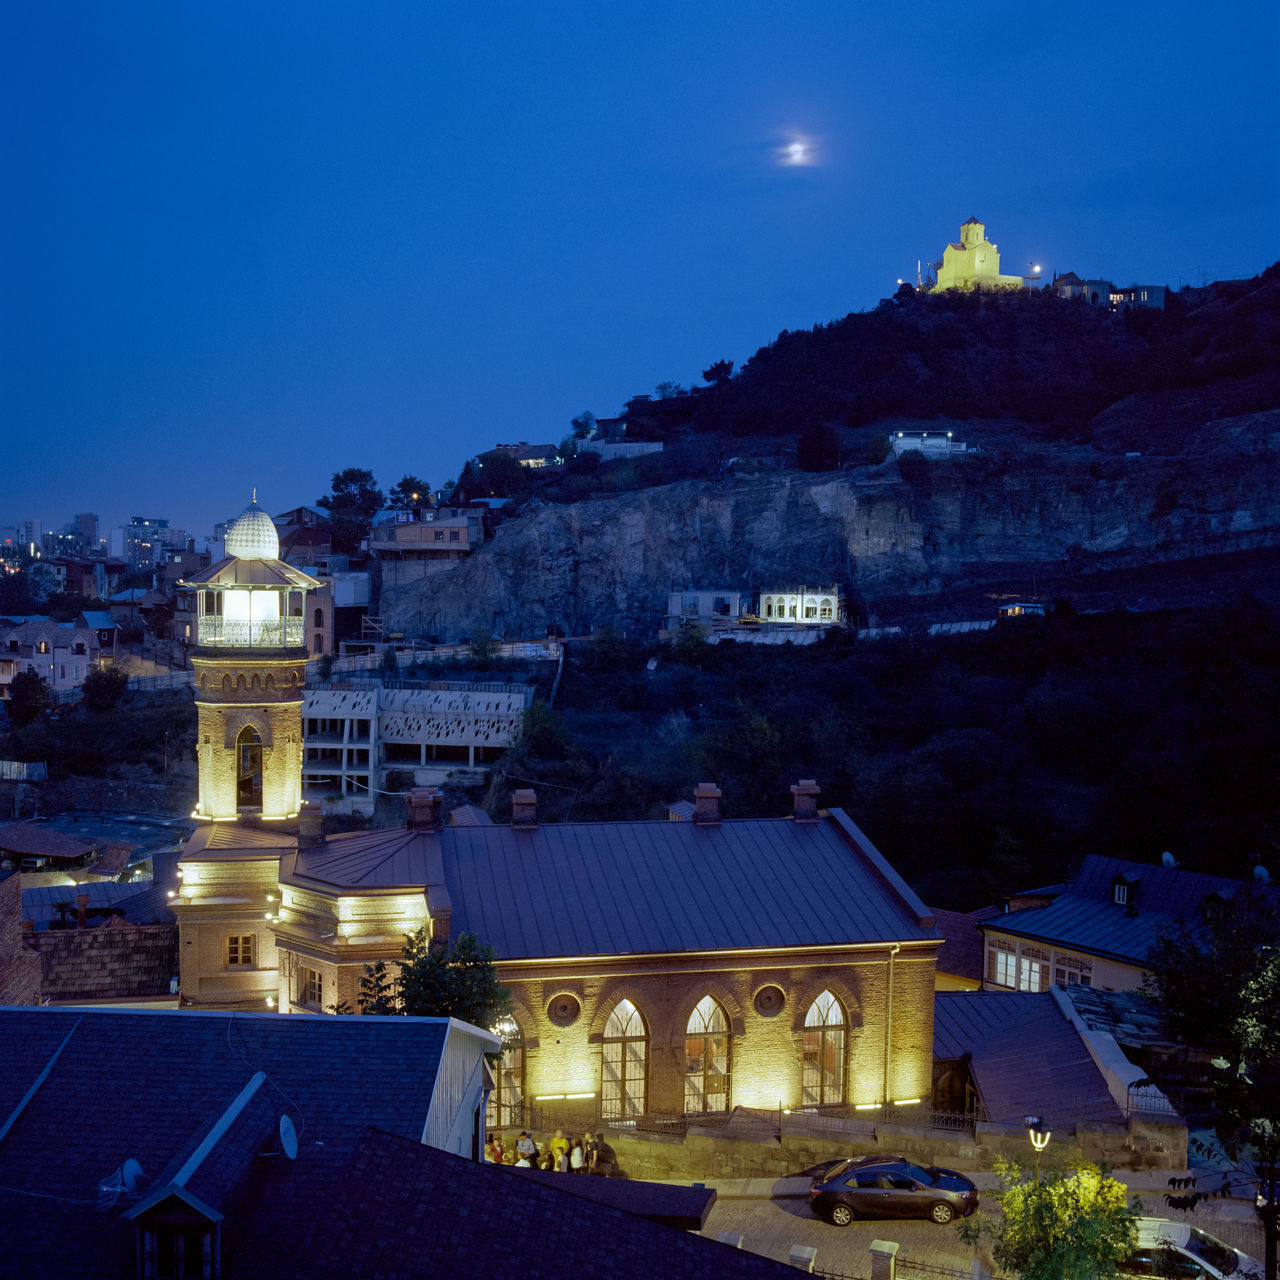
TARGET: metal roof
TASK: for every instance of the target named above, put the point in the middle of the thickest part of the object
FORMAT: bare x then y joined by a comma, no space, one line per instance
1025,1057
1086,917
614,888
233,572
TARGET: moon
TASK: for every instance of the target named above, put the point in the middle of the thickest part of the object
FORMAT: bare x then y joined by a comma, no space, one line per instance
797,151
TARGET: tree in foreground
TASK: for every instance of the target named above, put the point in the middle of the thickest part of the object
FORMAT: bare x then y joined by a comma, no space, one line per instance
457,981
409,493
1072,1224
1217,983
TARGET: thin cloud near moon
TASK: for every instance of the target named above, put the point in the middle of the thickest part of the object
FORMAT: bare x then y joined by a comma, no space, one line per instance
798,150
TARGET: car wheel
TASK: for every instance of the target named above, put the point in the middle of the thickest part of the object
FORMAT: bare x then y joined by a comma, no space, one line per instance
841,1215
941,1212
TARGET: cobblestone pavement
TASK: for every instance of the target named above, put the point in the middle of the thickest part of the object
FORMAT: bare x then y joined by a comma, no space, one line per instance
771,1227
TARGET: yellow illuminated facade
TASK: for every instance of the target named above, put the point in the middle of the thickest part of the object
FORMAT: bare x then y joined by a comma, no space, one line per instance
974,263
249,667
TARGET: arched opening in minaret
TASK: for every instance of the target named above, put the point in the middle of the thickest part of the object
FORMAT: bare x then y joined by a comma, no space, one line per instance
248,769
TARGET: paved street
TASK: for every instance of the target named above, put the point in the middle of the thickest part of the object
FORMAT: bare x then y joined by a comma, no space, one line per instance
771,1227
773,1216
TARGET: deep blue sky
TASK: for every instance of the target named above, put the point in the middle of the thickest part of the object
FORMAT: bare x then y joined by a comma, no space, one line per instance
252,243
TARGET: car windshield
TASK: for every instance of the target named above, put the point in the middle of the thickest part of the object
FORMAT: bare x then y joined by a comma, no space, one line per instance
917,1174
1218,1255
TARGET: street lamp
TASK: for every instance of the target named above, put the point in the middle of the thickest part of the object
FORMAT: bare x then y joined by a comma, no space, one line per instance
1038,1132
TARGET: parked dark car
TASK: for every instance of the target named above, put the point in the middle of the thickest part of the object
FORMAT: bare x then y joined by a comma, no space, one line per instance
890,1187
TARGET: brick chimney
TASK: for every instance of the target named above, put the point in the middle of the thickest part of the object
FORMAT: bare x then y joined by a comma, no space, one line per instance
804,800
310,825
706,804
424,809
524,809
82,906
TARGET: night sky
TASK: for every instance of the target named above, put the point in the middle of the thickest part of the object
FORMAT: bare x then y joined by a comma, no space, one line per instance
253,243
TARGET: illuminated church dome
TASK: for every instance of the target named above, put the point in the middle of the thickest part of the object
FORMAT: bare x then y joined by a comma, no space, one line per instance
253,536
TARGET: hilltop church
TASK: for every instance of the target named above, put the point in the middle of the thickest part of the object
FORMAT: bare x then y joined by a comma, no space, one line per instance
974,263
671,967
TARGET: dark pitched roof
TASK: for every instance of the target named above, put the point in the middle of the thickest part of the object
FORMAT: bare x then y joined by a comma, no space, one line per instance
569,889
410,1211
39,840
1086,917
180,1071
1025,1057
961,950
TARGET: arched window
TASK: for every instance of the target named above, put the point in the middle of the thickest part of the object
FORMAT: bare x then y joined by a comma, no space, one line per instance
505,1105
248,769
319,618
625,1065
824,1052
706,1058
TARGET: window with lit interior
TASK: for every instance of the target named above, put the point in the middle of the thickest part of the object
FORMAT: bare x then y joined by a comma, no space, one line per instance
706,1058
624,1063
240,951
1002,963
822,1081
504,1108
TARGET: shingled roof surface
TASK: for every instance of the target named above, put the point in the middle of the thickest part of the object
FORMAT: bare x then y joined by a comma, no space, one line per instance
1086,917
164,1079
614,888
409,1211
36,839
1025,1057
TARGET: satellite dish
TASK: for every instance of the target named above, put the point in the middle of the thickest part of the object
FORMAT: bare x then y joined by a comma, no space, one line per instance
288,1138
131,1175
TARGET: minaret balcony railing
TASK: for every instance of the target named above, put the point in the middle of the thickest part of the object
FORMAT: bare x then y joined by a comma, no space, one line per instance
266,633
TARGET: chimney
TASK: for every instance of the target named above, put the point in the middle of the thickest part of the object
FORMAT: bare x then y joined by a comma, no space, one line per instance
804,800
706,804
310,825
424,809
524,809
82,905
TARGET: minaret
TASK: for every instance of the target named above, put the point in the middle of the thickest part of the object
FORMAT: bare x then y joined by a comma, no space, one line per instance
249,665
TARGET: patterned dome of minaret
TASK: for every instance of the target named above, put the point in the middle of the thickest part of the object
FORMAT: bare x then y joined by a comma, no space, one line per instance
253,536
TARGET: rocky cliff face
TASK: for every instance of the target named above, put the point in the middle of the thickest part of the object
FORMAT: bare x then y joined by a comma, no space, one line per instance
882,532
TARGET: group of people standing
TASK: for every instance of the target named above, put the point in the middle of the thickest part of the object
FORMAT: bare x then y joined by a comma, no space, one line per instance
561,1154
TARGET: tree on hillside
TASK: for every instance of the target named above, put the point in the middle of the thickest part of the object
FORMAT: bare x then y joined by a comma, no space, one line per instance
103,687
583,425
408,493
28,697
1217,982
1069,1225
720,371
352,504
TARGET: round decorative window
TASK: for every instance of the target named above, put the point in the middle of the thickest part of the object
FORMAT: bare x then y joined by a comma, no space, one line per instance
564,1009
769,1001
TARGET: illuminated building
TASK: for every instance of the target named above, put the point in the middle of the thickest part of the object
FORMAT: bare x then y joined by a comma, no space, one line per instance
974,263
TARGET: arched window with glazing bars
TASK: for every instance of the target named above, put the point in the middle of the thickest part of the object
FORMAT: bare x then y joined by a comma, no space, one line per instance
706,1054
825,1042
625,1063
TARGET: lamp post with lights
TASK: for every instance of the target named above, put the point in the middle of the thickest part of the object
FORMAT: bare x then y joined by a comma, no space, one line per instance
1038,1132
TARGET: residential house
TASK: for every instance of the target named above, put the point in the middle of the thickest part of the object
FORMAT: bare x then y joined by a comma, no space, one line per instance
233,1147
534,456
807,606
719,607
1099,930
412,545
933,444
60,653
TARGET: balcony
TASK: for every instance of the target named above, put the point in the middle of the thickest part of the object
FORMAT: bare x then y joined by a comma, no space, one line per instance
263,633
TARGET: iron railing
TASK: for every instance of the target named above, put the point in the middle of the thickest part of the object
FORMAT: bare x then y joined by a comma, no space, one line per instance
263,633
